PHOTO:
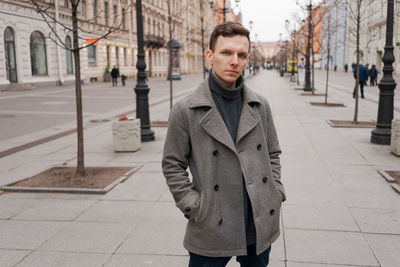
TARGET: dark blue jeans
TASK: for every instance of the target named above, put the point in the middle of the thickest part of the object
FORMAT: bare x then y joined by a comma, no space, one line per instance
251,260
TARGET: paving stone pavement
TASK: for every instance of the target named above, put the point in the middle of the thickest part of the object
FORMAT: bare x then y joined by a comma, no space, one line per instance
339,212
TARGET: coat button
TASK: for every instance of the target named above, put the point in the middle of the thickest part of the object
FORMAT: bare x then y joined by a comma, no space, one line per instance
215,153
220,221
187,209
265,179
216,187
271,212
258,147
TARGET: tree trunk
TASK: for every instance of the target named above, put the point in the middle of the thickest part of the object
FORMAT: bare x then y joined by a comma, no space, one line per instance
80,169
170,54
358,62
202,39
328,58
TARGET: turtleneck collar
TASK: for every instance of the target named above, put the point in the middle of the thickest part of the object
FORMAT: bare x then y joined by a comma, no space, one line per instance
228,93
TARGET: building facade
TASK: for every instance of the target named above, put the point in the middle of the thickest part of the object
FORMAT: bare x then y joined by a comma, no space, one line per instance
342,32
28,55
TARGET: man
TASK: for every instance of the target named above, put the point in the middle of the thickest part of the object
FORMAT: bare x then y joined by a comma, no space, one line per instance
225,133
363,77
114,76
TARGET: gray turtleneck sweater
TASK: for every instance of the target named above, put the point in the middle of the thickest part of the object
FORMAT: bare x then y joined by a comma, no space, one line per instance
229,103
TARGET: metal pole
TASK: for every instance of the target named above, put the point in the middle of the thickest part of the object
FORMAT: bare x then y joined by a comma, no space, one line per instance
307,85
382,133
141,89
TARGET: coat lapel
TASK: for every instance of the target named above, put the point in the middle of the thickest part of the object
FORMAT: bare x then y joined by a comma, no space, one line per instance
248,118
213,124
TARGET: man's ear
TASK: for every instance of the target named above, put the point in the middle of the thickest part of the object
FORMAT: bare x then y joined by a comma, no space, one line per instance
209,55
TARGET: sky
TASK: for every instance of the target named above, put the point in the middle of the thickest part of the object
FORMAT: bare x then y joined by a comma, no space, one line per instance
268,16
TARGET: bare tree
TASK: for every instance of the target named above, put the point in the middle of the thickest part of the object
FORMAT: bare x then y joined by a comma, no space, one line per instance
48,10
357,15
174,10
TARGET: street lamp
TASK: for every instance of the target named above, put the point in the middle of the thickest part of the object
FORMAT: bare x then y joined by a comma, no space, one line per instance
141,89
251,25
223,10
382,133
292,33
307,85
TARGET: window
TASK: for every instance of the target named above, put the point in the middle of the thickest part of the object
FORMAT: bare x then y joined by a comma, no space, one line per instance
154,27
95,11
38,54
66,3
123,19
68,55
132,23
11,64
115,10
149,26
133,57
106,13
125,58
83,7
117,55
92,55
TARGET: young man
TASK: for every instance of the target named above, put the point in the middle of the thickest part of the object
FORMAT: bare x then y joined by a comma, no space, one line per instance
225,134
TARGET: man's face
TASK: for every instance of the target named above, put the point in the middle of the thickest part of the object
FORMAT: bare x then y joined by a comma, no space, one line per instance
230,56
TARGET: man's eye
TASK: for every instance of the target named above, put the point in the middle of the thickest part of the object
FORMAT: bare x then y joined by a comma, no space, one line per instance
242,56
226,53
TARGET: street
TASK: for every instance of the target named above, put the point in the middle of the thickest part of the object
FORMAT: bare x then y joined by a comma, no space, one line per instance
339,210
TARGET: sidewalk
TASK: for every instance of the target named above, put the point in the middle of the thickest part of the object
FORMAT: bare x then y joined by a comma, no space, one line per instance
339,212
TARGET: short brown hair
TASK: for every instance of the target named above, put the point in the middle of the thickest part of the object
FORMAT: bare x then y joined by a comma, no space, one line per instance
228,28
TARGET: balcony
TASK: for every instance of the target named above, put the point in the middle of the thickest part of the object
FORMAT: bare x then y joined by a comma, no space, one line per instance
153,41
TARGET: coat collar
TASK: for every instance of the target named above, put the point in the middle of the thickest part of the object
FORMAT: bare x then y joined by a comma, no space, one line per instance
201,97
212,121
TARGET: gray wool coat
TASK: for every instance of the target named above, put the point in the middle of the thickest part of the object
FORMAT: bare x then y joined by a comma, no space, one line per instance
198,138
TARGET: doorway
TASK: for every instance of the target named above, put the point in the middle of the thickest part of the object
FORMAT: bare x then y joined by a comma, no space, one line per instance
11,63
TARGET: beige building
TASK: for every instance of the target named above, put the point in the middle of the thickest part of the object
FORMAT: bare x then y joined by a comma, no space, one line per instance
28,56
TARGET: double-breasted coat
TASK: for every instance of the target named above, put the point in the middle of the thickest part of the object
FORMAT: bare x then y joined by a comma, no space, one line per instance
197,137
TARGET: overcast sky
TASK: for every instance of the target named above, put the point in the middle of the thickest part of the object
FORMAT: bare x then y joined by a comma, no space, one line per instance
268,16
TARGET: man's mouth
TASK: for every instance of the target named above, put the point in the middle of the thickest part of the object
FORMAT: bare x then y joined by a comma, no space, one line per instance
232,71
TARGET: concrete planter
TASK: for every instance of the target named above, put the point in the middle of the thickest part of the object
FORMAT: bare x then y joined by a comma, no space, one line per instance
395,138
126,135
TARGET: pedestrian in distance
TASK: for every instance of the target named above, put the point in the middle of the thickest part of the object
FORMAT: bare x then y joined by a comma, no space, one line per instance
225,134
363,78
114,76
372,75
123,79
346,67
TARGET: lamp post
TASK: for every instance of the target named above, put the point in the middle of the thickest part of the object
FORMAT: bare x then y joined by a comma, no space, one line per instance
382,133
251,25
223,10
141,89
292,37
307,85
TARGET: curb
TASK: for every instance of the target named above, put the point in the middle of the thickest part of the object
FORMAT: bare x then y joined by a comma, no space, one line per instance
101,191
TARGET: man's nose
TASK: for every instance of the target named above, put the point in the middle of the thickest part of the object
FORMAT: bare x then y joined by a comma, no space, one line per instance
234,59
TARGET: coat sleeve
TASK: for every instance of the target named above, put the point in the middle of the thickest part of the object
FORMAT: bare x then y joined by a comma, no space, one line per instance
274,152
175,163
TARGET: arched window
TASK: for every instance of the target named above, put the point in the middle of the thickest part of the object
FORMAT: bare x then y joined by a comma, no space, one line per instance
11,62
38,54
68,56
